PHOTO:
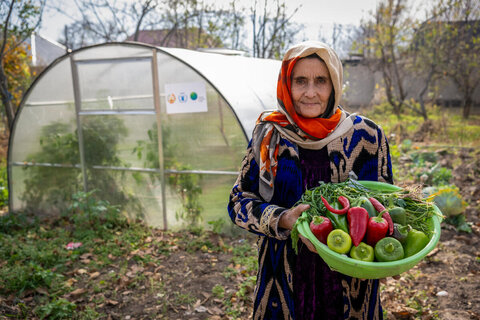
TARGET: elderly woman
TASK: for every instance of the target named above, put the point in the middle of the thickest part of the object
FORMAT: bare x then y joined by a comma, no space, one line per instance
309,139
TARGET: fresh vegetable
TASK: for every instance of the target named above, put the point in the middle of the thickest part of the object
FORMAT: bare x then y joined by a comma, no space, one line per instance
321,227
362,252
449,201
367,205
339,241
400,232
398,215
377,229
388,249
342,200
339,221
379,186
380,208
418,210
416,241
357,224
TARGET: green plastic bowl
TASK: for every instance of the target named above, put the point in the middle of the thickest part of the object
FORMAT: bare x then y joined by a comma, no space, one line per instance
372,270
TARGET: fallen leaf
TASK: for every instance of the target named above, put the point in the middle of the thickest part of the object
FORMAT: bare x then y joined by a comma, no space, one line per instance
201,309
86,256
78,291
94,275
81,271
42,291
112,302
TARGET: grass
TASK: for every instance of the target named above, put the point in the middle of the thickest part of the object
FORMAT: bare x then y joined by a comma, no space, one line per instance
34,263
449,128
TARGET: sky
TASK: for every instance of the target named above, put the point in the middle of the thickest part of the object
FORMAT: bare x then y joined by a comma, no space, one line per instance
313,14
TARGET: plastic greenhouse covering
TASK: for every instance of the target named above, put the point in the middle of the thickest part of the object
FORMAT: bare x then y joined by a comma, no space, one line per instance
93,120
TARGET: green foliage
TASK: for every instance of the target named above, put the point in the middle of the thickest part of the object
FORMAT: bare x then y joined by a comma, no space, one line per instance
57,309
92,217
218,291
187,185
13,223
18,278
55,186
217,225
246,288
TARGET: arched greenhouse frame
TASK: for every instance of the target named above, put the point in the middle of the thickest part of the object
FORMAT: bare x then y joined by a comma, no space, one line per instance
93,120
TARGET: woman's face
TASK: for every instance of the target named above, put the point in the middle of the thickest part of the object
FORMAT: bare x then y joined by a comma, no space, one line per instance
311,87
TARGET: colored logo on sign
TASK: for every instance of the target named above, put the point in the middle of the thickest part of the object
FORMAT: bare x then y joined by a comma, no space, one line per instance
171,98
182,97
193,96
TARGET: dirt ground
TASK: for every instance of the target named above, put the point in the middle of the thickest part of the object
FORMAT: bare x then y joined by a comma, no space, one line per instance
445,285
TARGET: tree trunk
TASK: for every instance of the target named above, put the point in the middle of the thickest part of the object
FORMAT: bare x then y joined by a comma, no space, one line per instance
467,105
6,99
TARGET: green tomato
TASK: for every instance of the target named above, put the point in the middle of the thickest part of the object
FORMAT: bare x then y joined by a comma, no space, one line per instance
339,241
362,252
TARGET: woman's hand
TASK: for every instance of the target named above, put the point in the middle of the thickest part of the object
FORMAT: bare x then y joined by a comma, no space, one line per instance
288,219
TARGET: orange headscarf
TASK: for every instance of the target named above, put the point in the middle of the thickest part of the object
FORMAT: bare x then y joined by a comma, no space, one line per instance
316,128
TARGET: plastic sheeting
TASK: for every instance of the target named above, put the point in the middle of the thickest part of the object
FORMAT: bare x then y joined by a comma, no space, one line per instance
107,118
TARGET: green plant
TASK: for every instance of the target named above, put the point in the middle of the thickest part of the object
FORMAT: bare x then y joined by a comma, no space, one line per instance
183,298
19,222
88,213
18,278
3,184
218,291
246,287
187,185
89,314
47,187
57,309
217,225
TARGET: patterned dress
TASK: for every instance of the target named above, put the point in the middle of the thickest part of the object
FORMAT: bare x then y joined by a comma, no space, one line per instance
364,151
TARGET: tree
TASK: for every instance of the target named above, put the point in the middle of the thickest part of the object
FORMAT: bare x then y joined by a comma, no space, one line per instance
385,43
340,37
273,30
458,26
98,21
182,23
19,20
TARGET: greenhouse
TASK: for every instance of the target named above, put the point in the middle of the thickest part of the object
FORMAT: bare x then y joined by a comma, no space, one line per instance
93,120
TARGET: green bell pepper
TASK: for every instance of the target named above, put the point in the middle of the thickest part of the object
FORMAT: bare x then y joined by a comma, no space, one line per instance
416,241
362,252
339,241
388,249
398,215
400,232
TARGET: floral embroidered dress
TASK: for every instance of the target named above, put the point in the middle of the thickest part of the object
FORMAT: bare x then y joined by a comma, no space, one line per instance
283,276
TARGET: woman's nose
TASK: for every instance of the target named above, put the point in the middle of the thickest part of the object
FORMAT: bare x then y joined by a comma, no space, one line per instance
310,90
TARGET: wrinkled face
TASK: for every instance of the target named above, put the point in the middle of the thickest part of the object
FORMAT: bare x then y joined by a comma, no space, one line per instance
311,87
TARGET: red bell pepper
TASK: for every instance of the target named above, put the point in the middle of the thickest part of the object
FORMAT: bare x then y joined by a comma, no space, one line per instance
357,224
377,229
343,201
321,227
381,209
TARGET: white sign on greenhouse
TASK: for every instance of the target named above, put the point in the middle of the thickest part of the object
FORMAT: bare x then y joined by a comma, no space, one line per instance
185,97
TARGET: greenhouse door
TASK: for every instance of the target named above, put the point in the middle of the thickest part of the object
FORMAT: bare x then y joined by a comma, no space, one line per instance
117,107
